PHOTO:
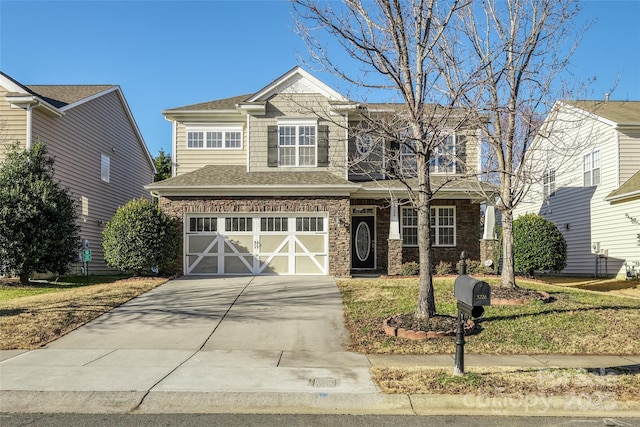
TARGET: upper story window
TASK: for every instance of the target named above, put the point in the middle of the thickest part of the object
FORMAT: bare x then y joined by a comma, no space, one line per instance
215,138
105,167
591,169
443,159
297,144
549,183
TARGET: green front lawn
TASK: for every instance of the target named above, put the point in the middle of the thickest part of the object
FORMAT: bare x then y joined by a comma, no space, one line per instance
576,322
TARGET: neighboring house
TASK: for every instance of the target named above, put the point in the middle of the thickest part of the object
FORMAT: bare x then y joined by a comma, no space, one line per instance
99,152
262,184
594,197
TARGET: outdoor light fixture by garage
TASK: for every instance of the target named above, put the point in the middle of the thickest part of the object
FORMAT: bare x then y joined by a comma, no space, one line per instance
472,295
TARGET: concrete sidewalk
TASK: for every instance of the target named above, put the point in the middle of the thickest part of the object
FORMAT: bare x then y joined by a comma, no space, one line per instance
247,345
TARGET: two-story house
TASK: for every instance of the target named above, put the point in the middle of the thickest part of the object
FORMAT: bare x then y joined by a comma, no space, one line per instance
90,132
263,184
593,196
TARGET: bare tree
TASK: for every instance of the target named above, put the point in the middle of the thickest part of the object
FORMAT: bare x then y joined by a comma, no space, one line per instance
508,55
393,42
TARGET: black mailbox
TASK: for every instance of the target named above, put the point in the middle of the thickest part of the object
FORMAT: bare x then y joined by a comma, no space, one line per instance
472,295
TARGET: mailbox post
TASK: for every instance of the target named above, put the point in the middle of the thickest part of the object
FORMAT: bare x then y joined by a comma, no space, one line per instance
472,295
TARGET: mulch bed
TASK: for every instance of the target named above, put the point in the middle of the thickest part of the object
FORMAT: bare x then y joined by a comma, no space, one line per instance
507,295
407,325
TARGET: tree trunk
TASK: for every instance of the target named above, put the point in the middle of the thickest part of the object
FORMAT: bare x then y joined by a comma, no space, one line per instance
24,278
508,265
426,307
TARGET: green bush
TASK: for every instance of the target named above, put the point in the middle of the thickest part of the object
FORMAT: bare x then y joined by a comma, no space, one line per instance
140,237
443,268
38,230
410,269
538,245
477,267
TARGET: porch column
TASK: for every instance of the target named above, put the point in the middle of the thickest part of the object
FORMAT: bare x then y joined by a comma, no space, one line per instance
394,242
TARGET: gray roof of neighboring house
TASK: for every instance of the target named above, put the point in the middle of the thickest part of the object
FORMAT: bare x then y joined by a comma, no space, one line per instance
621,112
62,95
59,95
233,175
630,189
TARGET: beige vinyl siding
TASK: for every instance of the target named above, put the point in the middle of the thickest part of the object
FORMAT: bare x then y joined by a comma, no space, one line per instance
581,213
298,106
77,140
13,124
190,159
629,140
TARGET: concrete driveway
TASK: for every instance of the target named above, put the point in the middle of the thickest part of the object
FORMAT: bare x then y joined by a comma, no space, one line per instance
233,313
199,338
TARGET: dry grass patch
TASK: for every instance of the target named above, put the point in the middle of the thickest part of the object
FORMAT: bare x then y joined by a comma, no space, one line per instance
576,322
627,288
32,321
606,385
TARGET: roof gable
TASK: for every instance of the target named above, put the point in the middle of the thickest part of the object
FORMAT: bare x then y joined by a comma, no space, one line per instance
296,81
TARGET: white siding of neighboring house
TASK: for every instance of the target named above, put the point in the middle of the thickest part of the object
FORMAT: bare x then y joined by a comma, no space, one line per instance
581,213
77,140
190,159
13,124
301,106
629,153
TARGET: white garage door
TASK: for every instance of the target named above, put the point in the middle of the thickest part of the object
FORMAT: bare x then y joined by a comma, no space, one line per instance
243,244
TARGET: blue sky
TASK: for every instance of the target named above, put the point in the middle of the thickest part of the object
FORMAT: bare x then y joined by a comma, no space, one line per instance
166,54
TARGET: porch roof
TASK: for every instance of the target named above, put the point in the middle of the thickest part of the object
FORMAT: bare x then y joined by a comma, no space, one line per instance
443,186
235,180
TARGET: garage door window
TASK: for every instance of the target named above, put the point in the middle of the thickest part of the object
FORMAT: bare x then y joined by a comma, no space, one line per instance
203,224
274,224
238,224
310,224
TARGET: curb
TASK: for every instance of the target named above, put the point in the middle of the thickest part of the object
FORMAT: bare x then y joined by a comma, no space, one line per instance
310,403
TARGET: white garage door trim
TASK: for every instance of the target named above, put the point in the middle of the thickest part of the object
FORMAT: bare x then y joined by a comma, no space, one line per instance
250,244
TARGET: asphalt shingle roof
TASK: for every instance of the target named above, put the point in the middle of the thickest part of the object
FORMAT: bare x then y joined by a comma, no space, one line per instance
616,111
232,175
216,104
631,186
62,95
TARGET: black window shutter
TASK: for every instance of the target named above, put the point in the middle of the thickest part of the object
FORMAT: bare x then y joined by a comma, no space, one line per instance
272,146
323,146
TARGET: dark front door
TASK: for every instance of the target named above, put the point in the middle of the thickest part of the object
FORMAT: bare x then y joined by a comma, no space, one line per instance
363,242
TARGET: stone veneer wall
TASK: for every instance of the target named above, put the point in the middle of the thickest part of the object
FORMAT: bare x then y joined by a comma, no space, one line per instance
490,249
394,256
337,208
468,233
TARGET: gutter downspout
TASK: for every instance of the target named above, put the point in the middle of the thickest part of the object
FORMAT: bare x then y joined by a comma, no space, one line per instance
174,147
28,136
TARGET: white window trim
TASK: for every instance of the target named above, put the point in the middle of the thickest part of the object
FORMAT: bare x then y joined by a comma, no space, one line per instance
408,160
298,123
548,184
402,227
591,168
435,234
105,168
227,128
439,151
